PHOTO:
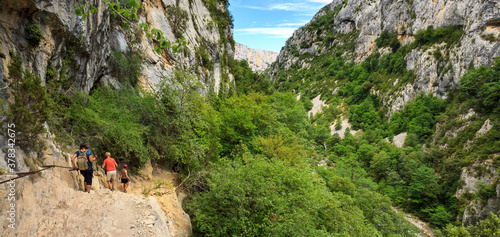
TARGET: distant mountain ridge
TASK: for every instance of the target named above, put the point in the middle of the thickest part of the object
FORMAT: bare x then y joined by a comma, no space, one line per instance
258,59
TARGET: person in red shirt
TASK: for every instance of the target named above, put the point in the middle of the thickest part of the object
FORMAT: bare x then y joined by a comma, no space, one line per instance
111,166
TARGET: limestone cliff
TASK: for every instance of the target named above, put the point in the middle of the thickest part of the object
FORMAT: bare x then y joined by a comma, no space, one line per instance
478,187
366,19
480,179
89,44
258,59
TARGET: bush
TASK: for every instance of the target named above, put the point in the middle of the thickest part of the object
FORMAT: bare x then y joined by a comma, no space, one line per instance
485,228
418,117
30,106
338,124
248,81
393,63
430,36
33,34
177,18
481,87
204,59
126,66
387,39
173,125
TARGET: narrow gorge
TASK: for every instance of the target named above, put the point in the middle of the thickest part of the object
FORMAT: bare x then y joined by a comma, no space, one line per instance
376,118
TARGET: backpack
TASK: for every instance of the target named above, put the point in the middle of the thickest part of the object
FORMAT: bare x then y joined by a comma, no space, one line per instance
82,160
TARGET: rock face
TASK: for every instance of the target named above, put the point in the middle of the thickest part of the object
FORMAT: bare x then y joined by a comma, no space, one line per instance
475,179
368,18
258,59
89,44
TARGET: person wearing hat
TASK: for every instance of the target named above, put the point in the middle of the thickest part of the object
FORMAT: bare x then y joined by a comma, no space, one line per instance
124,178
111,166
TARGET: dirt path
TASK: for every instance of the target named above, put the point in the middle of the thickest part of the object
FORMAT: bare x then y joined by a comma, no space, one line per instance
161,185
422,226
49,208
52,205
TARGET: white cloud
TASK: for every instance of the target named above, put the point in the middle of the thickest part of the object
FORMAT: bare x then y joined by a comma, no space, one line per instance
291,7
277,32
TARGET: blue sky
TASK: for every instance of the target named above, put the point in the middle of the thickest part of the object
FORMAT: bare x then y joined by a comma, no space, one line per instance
267,24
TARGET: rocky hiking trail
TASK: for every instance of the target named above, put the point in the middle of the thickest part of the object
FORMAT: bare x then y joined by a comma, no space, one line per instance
51,203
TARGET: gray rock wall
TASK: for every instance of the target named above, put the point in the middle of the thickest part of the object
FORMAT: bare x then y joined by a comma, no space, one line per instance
93,40
258,59
371,17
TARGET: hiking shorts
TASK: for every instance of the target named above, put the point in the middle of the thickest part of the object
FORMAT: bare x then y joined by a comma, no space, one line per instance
111,175
87,175
124,181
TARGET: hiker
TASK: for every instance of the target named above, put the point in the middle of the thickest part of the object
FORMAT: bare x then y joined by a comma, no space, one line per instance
111,166
124,178
82,160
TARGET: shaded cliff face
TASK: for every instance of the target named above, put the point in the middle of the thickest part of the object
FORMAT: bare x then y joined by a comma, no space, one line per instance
88,45
258,59
365,20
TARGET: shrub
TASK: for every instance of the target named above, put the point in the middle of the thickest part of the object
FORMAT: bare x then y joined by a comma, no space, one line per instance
430,36
338,124
126,66
204,59
177,18
270,198
30,106
437,54
33,34
387,39
487,227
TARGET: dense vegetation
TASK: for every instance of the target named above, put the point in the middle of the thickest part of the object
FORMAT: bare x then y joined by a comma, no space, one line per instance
264,140
417,177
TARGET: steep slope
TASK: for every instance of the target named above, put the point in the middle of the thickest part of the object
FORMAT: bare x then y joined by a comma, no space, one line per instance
258,59
352,27
424,70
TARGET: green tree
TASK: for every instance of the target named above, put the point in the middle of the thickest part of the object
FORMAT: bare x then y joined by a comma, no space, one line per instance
481,87
423,188
29,108
487,227
177,18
